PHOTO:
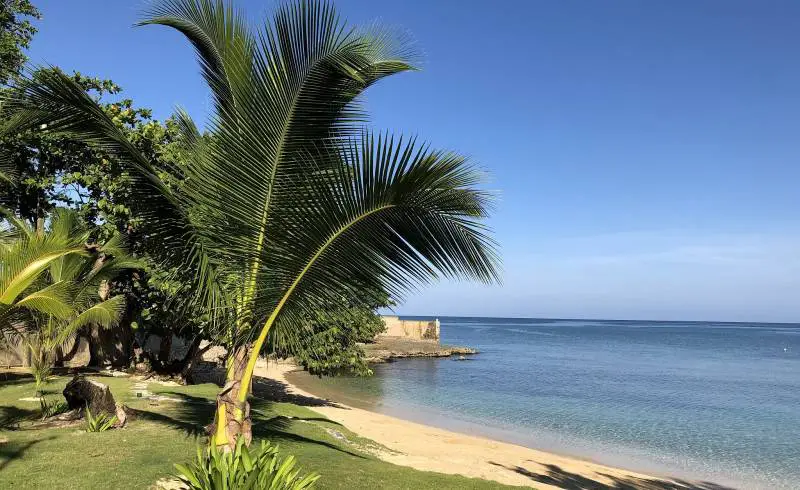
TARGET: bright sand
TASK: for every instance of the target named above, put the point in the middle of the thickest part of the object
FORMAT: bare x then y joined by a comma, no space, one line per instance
432,449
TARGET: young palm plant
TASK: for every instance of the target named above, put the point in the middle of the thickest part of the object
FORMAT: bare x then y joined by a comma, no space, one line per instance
287,203
52,284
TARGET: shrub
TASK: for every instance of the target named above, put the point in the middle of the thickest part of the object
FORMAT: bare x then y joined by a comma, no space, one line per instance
50,409
244,469
40,365
100,423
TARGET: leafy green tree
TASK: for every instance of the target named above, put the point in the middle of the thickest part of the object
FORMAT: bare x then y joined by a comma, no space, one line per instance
49,171
289,204
55,283
335,331
54,171
44,171
16,32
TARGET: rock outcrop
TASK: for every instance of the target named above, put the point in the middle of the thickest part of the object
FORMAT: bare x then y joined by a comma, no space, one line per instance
386,348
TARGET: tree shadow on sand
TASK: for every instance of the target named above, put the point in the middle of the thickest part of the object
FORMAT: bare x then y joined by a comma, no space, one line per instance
558,477
278,391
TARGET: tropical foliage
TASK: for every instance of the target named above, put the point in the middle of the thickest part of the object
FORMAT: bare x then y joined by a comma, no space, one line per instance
288,204
49,408
52,171
244,468
16,32
45,171
331,347
42,171
100,422
54,283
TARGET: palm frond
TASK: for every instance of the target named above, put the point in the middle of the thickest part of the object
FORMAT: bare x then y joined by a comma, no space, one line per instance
66,224
105,314
295,89
7,173
8,170
16,279
53,300
190,140
221,39
115,245
16,227
397,215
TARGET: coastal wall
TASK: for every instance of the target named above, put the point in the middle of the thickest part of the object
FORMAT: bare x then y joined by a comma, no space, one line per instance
410,329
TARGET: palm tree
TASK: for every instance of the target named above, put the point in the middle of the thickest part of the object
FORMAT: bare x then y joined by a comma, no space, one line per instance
287,203
53,283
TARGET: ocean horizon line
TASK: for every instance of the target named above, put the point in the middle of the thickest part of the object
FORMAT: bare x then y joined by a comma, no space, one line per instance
589,319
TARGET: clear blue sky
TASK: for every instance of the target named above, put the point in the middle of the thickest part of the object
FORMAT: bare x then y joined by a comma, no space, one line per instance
646,153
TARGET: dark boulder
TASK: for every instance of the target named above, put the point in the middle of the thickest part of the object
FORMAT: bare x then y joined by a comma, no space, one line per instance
81,392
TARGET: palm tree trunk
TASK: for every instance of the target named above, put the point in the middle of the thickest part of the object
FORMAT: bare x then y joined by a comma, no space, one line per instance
233,408
233,416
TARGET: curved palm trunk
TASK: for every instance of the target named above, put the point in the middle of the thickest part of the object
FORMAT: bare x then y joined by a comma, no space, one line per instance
232,419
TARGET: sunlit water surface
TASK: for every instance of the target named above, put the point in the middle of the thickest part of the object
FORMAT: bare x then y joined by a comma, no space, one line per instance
718,401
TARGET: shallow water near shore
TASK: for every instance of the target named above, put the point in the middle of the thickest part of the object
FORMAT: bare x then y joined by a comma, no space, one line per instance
716,401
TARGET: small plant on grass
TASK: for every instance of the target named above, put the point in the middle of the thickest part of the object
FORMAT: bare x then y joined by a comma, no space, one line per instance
41,366
99,423
244,468
52,408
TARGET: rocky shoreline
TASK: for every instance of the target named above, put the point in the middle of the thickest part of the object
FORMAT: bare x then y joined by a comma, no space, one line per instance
386,348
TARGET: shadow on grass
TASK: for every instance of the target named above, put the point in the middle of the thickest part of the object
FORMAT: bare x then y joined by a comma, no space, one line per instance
15,450
278,429
278,391
318,419
11,416
191,412
8,378
558,477
50,391
185,415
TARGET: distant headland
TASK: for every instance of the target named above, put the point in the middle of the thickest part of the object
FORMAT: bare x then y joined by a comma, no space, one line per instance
410,338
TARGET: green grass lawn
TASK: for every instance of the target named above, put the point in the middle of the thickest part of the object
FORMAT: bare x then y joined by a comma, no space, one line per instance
168,432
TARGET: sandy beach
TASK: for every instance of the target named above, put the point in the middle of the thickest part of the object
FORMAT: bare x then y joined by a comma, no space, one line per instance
433,449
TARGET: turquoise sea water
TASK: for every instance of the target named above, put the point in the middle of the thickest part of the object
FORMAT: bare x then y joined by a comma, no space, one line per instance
717,401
